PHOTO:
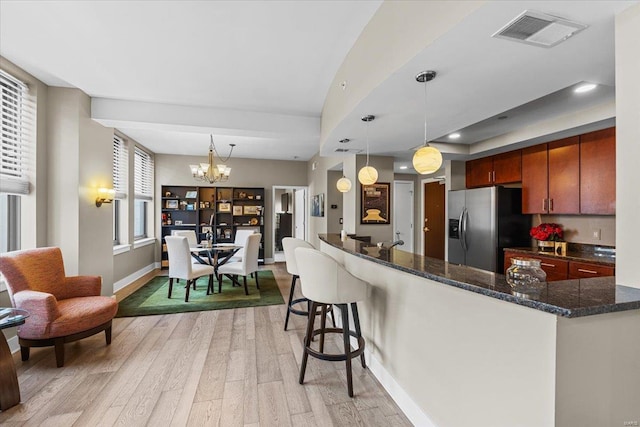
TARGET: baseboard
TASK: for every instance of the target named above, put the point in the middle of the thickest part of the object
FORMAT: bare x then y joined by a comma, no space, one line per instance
14,345
397,393
125,287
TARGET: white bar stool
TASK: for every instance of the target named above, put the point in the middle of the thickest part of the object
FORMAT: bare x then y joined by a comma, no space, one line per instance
324,281
289,245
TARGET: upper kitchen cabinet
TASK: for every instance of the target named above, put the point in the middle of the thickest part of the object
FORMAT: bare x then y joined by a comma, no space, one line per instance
551,177
499,169
598,172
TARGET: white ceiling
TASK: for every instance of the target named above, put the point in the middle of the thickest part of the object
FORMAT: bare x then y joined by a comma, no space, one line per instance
256,73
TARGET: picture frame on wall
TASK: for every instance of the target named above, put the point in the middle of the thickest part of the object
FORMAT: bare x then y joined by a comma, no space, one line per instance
374,206
317,205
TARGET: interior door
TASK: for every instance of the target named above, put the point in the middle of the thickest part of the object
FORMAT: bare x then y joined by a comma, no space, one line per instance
300,214
434,221
403,214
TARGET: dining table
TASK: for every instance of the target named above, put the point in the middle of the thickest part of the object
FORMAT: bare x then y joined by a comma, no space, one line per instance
216,255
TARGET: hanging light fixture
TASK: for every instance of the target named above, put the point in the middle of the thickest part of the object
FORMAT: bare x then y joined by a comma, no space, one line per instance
427,159
210,172
368,175
343,184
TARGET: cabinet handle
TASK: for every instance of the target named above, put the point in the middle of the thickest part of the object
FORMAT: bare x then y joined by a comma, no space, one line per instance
489,176
550,205
547,265
582,270
494,176
544,205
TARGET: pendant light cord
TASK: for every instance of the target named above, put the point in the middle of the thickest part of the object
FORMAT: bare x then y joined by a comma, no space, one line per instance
218,154
367,137
425,113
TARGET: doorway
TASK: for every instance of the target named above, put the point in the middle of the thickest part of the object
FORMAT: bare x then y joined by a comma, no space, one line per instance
403,213
289,217
433,230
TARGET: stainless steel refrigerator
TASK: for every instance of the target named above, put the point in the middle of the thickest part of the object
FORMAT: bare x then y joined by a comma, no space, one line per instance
484,221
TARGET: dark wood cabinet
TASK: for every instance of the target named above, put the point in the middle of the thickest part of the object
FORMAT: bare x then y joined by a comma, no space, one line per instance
551,177
479,172
564,176
535,177
560,269
502,168
598,172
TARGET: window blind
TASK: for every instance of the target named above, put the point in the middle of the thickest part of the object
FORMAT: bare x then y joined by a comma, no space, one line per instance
143,175
120,167
16,128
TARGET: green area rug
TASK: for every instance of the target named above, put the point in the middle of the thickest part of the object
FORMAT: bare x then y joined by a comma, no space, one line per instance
152,297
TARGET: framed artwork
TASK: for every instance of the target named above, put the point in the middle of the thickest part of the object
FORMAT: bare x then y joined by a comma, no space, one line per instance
191,195
317,205
171,204
237,210
374,207
224,207
252,210
206,229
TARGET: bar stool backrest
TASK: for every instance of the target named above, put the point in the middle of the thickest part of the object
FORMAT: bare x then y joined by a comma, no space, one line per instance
289,244
324,280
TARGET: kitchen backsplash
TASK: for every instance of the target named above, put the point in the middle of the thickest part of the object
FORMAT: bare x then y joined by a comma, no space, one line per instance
582,228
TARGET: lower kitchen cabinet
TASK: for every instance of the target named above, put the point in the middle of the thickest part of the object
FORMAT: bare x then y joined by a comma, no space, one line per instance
560,269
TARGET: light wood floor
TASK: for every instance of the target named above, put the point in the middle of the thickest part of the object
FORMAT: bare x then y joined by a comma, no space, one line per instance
228,367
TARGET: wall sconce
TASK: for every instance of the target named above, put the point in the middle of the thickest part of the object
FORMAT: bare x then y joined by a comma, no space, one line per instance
105,195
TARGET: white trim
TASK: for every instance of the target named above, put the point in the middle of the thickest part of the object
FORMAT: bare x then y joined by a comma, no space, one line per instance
144,242
123,283
412,210
14,345
120,249
397,393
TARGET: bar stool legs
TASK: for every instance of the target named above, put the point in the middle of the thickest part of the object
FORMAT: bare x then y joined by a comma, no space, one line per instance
346,334
292,302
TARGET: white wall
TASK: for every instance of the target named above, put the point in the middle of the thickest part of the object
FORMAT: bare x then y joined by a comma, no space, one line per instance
627,146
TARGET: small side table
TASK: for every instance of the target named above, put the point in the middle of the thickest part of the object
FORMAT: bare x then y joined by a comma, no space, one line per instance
9,389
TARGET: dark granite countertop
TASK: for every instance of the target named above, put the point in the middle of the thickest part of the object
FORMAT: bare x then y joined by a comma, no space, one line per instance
590,257
567,298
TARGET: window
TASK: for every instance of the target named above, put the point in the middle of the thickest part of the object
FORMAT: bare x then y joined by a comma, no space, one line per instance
120,172
17,120
143,188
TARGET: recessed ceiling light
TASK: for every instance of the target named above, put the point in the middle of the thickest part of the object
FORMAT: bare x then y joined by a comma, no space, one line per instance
455,135
403,167
585,88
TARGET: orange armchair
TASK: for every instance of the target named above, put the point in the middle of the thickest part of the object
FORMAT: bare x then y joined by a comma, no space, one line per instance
62,309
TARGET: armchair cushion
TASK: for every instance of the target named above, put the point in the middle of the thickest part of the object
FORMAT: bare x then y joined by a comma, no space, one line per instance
83,286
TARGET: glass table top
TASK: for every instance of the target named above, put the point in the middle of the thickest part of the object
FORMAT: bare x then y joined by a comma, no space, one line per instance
10,317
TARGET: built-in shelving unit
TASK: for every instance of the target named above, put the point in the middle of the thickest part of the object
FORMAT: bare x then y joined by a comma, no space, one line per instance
219,210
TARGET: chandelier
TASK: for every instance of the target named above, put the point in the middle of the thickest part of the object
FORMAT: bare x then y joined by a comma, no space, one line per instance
210,172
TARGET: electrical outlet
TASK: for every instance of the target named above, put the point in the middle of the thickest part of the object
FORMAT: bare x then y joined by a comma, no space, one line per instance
597,234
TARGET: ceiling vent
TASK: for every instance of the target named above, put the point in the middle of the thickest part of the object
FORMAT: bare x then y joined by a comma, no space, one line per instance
348,150
538,29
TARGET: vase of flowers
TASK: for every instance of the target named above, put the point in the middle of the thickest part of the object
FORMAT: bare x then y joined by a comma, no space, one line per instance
547,234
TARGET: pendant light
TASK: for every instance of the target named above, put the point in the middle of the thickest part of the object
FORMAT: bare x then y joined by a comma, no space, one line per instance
427,159
368,175
343,184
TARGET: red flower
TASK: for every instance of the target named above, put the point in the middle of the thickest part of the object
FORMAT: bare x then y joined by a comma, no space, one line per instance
547,231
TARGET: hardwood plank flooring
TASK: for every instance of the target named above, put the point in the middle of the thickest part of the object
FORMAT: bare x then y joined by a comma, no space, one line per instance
230,368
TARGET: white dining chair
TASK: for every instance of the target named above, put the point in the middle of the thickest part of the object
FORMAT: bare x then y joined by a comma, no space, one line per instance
248,264
240,240
181,267
193,242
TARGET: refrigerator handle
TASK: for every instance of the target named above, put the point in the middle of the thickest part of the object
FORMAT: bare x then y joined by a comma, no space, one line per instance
460,230
463,228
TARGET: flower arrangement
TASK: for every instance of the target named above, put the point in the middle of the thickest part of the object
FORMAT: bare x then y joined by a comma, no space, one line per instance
547,231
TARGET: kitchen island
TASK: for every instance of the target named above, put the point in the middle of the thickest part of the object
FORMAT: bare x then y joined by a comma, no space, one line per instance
455,347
